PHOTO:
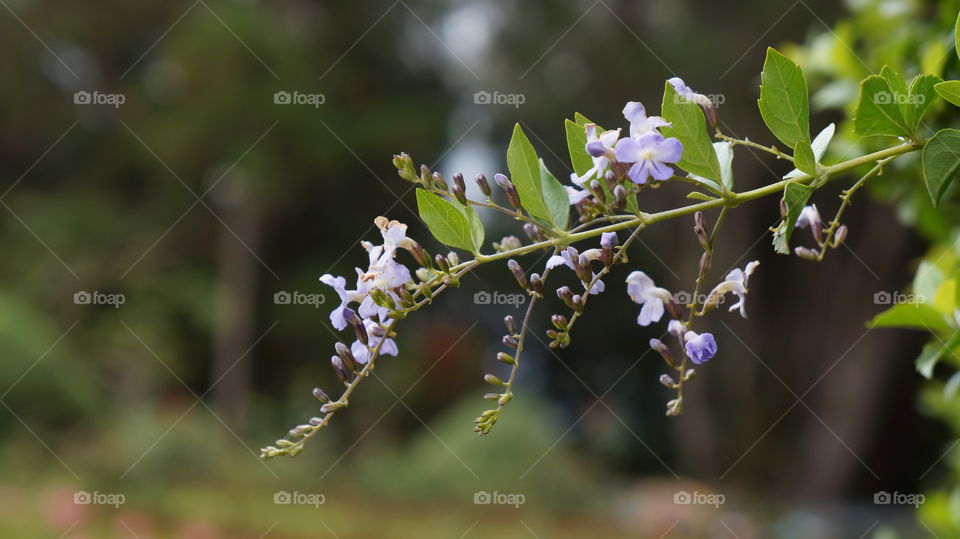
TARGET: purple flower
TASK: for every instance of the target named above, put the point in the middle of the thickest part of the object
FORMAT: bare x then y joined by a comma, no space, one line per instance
640,123
567,258
737,282
347,297
809,216
700,347
650,155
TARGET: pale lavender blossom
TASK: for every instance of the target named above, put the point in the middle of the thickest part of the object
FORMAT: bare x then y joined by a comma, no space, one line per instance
651,155
687,93
375,334
600,146
643,291
567,258
737,283
640,123
809,216
347,297
700,347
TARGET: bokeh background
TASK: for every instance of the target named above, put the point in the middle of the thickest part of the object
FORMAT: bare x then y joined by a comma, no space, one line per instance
199,199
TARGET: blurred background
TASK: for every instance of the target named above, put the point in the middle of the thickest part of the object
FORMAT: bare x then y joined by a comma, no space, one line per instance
177,175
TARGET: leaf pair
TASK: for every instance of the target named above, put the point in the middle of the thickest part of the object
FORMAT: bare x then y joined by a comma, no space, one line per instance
541,194
888,106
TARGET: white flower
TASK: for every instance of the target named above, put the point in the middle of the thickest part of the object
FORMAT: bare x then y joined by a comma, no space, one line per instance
566,258
737,283
809,216
600,147
641,290
375,332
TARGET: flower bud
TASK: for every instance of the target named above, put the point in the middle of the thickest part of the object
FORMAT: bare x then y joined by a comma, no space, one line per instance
315,421
425,175
510,341
346,356
459,194
404,165
807,254
595,189
419,254
578,303
533,232
491,396
710,111
559,321
511,324
441,262
320,395
619,197
331,407
501,180
483,184
536,283
565,294
438,181
817,229
706,261
783,208
505,358
700,229
518,273
667,381
663,350
340,369
453,258
458,181
675,407
493,380
512,196
610,179
840,235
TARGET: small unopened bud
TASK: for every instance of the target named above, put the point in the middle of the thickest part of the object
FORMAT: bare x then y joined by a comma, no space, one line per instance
667,381
340,369
501,180
663,350
577,301
441,262
559,321
453,258
425,175
315,421
619,197
438,181
512,196
510,341
783,208
419,254
817,229
505,358
331,407
610,179
483,184
595,189
675,407
511,324
700,229
459,194
493,380
518,273
320,395
404,166
491,396
710,111
673,309
346,356
807,254
840,235
351,317
536,283
458,181
565,294
533,232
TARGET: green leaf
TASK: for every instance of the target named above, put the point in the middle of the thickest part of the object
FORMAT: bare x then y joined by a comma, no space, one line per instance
933,352
690,128
819,147
576,145
784,106
555,198
697,195
524,168
795,195
803,157
879,111
452,226
956,36
922,93
910,316
580,119
941,162
949,90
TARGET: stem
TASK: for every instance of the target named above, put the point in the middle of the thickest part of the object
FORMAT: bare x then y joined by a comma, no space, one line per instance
750,144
